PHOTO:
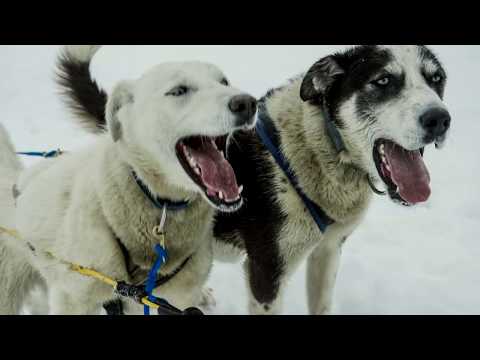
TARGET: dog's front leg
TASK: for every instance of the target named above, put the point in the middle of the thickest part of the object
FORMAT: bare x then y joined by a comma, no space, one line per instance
265,277
322,268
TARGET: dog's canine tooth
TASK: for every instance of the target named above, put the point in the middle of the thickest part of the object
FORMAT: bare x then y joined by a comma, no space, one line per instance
240,189
220,195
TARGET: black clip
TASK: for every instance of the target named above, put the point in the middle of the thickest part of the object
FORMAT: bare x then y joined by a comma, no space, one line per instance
164,308
136,293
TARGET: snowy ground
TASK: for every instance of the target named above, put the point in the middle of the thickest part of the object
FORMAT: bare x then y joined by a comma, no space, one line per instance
400,261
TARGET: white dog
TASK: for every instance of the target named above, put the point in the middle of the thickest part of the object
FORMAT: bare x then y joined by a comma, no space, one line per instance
101,207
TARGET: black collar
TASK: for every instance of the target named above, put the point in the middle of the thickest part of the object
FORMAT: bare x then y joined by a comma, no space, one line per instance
159,202
269,136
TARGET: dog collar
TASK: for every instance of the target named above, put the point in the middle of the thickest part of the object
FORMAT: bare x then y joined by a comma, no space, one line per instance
332,130
270,139
158,202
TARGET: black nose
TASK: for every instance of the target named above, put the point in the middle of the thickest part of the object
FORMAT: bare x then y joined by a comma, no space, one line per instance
436,122
245,107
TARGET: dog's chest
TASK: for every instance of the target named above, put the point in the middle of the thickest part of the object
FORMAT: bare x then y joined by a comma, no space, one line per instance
184,232
300,233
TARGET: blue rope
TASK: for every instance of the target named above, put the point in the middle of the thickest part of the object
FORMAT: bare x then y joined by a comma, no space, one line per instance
46,154
321,219
152,275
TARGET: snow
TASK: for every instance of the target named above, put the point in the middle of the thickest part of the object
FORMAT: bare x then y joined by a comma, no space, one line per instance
421,260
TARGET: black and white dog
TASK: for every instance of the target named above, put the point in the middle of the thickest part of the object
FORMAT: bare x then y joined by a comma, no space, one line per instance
355,119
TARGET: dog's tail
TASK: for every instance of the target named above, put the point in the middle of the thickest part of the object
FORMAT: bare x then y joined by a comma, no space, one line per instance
83,95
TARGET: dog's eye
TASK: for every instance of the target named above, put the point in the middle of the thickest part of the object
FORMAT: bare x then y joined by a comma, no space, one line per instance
178,91
224,82
382,82
436,78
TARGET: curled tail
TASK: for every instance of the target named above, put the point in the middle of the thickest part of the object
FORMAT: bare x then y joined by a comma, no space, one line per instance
83,95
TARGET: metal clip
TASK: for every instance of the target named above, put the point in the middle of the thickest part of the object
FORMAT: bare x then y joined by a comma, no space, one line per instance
158,230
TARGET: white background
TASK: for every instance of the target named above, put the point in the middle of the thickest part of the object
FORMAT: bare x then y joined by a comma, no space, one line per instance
423,260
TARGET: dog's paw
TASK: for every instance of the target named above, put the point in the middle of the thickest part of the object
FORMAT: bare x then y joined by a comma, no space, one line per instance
323,311
255,308
207,301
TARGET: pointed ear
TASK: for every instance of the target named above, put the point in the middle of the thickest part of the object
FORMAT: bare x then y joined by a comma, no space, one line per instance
319,78
121,97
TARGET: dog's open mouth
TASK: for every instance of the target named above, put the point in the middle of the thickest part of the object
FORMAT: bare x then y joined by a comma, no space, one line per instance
203,158
403,171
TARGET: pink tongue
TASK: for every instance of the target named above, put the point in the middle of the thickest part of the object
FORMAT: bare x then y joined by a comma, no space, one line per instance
217,173
409,172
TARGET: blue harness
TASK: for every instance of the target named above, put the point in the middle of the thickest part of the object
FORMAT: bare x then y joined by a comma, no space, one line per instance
46,154
269,137
162,255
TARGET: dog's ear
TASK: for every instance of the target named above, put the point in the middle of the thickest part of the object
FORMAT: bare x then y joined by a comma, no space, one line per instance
121,97
319,78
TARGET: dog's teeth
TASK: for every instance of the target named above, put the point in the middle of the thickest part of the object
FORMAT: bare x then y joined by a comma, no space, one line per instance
197,171
240,189
388,168
220,195
384,159
382,149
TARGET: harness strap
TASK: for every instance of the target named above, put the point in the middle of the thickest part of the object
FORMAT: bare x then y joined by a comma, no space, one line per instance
264,124
152,275
46,154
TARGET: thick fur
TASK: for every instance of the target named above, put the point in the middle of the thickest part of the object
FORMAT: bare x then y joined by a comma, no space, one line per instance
18,276
82,207
82,94
274,226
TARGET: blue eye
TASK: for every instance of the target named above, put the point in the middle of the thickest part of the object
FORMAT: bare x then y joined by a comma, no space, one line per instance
436,78
382,82
178,91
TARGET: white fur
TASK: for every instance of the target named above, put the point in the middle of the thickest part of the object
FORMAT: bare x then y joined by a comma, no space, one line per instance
70,206
398,119
82,53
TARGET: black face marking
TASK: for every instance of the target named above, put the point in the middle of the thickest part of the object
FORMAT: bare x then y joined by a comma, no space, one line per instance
259,221
374,93
359,65
426,55
363,65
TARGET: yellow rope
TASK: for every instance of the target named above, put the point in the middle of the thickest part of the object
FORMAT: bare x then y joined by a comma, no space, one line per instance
82,270
12,233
